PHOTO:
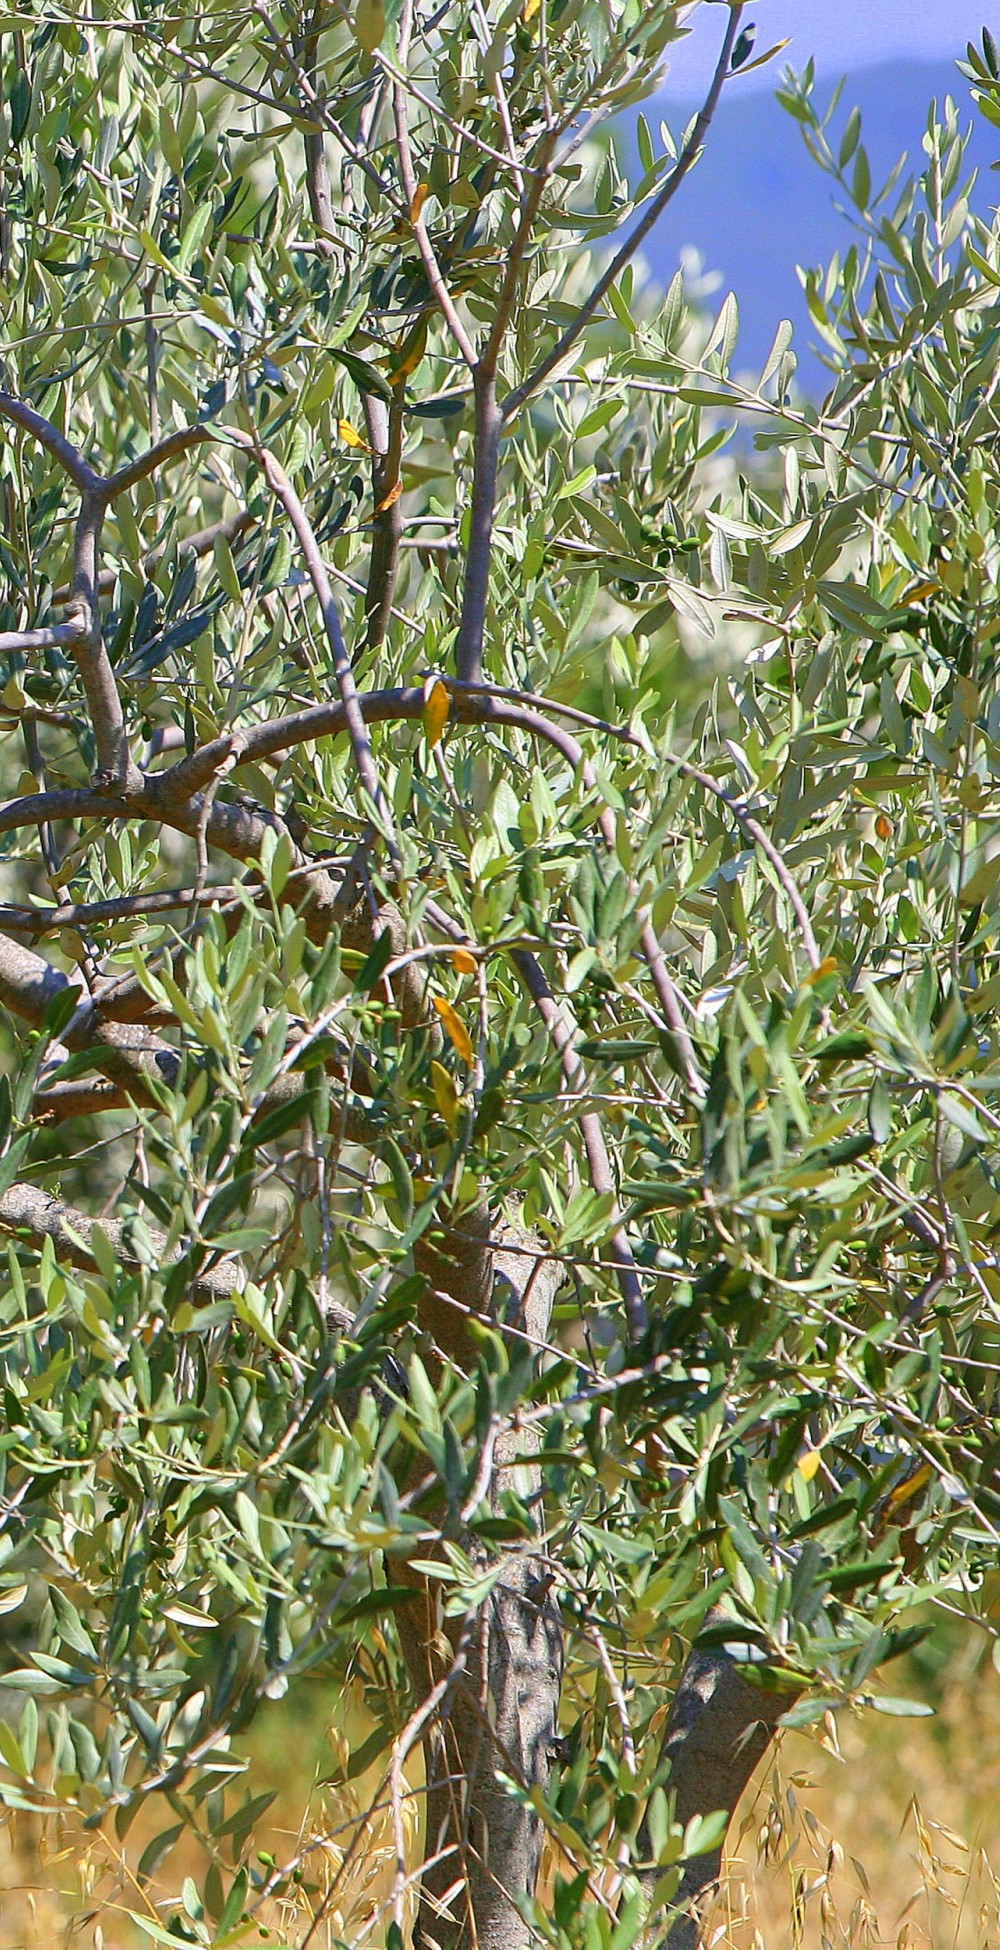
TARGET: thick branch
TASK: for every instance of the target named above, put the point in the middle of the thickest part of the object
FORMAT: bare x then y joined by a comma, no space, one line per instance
36,921
126,1053
530,202
317,175
170,448
49,639
457,1263
64,802
489,423
489,427
87,1098
169,796
385,437
26,1210
49,437
476,703
114,764
28,984
92,1095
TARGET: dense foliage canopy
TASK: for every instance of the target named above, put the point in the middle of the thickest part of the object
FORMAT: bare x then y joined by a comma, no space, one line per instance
500,944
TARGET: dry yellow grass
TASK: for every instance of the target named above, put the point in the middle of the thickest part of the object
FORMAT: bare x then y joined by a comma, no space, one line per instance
894,1841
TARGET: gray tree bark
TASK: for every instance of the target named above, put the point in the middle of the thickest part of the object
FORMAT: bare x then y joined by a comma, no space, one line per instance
500,1716
718,1729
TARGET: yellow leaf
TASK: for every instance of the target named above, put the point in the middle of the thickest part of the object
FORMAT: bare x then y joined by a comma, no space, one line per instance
437,704
903,1492
152,249
445,1096
828,966
389,500
463,963
529,10
457,1033
808,1464
419,199
350,436
408,352
761,58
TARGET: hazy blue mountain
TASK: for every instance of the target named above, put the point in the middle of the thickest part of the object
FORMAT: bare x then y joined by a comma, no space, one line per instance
757,204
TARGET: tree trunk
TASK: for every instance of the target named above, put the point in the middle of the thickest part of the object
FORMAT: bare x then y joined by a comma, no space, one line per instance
500,1716
718,1730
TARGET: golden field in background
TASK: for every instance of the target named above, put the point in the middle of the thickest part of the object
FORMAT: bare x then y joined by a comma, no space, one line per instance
897,1842
894,1841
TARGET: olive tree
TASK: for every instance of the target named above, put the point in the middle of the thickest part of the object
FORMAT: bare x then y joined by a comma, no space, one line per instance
499,1139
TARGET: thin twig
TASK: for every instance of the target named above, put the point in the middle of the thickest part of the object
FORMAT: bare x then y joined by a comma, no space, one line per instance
475,589
432,269
282,488
685,161
48,639
591,1130
500,95
402,1746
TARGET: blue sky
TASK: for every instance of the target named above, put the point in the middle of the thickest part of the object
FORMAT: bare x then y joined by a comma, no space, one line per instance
756,206
843,35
